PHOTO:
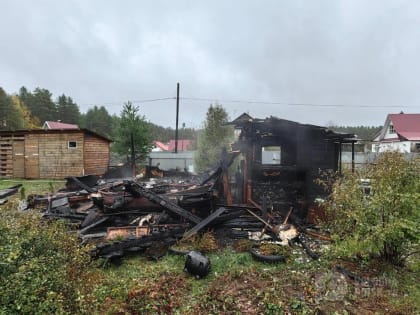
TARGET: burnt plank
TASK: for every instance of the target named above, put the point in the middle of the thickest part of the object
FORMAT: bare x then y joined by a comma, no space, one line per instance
138,243
9,191
81,184
204,222
138,190
87,228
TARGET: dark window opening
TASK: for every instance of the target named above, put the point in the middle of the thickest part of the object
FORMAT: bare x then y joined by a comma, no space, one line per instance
391,129
72,144
271,155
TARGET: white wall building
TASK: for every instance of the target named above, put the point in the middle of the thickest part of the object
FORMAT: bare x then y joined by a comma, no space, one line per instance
401,132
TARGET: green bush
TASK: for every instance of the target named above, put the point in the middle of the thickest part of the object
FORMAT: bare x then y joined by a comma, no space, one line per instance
43,270
383,222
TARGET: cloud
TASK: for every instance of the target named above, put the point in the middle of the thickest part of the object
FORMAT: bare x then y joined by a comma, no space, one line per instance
323,52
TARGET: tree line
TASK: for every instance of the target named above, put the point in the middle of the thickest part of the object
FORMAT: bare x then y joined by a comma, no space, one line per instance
362,132
130,130
30,109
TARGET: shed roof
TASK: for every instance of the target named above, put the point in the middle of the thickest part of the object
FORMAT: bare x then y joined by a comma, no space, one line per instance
52,131
58,125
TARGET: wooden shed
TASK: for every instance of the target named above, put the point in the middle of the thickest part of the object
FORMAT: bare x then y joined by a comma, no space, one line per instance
54,154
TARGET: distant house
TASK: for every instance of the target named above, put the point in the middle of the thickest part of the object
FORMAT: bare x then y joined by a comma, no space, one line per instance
159,147
183,145
401,132
53,153
164,156
58,125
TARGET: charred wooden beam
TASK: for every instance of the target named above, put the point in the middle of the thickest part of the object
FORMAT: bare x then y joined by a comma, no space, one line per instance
204,222
70,216
222,164
9,191
81,184
308,251
136,244
137,190
90,226
243,223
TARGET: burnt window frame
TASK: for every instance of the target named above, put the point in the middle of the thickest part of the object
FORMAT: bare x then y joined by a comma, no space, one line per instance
272,146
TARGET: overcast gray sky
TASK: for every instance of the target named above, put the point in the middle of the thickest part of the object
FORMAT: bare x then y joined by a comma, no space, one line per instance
350,53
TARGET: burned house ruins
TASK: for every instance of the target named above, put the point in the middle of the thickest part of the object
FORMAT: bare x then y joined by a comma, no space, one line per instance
280,160
276,162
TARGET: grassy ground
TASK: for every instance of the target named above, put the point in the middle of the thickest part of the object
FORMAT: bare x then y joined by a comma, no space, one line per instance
239,285
33,186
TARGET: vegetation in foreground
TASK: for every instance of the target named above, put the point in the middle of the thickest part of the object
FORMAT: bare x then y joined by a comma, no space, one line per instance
44,270
381,220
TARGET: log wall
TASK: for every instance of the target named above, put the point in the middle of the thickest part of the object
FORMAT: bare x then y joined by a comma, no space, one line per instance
47,154
57,159
96,155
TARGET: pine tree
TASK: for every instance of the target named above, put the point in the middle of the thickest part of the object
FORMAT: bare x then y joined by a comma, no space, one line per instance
67,110
132,126
39,103
215,136
98,119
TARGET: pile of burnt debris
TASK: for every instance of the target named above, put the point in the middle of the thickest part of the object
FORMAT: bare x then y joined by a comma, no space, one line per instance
121,216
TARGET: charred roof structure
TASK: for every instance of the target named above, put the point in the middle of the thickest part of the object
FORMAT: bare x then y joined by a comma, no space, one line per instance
280,159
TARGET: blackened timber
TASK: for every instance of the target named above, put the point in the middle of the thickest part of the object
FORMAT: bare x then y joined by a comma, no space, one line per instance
138,190
96,223
217,169
168,237
204,222
9,191
81,184
70,216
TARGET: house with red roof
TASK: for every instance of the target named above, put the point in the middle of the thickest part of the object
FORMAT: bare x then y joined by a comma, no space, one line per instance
58,125
401,132
183,145
164,156
159,146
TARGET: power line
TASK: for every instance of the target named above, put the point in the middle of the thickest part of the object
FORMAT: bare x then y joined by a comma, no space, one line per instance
133,101
254,102
293,104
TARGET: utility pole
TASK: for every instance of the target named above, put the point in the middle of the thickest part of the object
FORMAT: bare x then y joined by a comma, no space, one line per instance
177,114
133,155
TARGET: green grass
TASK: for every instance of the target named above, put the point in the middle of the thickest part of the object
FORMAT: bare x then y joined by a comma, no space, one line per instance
36,186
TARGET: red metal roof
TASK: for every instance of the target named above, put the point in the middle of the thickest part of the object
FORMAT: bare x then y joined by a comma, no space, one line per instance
183,145
159,144
59,125
406,125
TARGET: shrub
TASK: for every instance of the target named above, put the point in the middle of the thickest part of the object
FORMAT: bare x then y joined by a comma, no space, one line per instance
385,222
42,268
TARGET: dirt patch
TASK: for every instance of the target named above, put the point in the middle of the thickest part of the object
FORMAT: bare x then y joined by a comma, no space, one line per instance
162,295
233,294
252,292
